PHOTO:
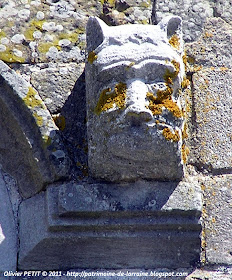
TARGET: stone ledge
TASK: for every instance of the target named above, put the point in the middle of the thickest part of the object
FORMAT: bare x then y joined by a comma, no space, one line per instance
143,236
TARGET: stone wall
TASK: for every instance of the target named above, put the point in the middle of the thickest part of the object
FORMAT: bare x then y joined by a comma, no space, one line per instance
43,140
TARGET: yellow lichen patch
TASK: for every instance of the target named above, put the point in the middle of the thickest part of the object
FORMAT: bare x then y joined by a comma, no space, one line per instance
130,65
91,57
185,61
71,36
207,35
108,99
185,83
35,25
213,220
175,41
29,33
169,75
170,136
172,107
224,68
184,132
39,119
30,99
59,121
38,24
109,2
155,108
2,34
9,56
163,100
185,152
44,47
145,4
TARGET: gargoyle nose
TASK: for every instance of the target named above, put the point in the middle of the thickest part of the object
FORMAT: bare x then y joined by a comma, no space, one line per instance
138,114
136,100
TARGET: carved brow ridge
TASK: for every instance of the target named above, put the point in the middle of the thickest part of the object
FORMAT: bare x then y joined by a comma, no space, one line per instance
164,61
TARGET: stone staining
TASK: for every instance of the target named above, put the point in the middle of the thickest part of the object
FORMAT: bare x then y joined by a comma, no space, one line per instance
133,81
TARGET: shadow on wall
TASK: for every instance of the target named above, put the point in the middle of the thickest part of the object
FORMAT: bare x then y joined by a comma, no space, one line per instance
75,131
8,231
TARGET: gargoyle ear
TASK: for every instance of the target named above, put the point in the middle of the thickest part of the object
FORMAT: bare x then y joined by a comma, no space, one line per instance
95,32
172,25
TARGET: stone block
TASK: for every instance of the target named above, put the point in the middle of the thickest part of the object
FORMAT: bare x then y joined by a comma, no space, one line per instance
93,226
55,83
211,49
217,213
211,146
209,64
8,230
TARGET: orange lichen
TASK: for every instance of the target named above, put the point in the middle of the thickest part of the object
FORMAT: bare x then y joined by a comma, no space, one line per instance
207,35
169,75
172,107
170,136
184,132
185,83
108,99
163,100
185,152
175,41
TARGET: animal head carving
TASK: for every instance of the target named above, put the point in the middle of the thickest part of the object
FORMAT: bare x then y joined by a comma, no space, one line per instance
133,80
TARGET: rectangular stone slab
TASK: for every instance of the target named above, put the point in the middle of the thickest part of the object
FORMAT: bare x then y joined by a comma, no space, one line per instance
142,229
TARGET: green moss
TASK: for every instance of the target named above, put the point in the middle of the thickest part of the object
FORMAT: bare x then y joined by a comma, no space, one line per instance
9,56
30,100
108,99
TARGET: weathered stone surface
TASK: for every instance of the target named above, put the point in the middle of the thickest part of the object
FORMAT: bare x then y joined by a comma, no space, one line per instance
141,224
210,63
43,31
212,107
31,148
211,50
193,13
53,81
217,225
8,230
133,78
223,9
